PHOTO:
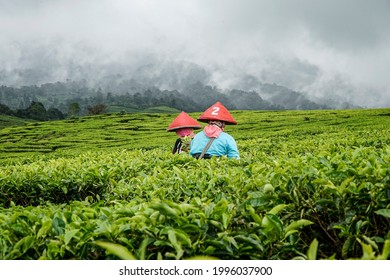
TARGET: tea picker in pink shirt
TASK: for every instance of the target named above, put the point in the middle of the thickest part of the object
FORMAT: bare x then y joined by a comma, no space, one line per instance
184,127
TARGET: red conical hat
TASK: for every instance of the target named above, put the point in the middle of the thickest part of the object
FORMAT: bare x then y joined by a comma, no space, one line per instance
183,120
217,112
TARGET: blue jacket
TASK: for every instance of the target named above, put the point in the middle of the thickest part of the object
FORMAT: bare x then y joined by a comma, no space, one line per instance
224,145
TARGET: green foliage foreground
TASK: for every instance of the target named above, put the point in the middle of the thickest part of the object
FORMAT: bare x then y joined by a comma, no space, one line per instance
301,191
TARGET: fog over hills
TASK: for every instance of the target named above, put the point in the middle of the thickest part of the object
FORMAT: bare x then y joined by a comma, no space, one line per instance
120,78
333,54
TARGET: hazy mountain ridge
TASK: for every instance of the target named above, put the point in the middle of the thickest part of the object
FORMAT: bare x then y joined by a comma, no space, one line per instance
183,85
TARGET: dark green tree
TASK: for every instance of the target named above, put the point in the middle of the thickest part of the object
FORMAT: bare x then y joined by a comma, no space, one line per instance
74,109
5,110
35,111
55,114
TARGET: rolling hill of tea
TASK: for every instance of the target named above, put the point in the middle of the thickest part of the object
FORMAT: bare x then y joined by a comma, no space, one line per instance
309,185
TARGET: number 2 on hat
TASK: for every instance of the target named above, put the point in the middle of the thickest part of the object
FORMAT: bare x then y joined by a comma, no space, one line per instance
215,111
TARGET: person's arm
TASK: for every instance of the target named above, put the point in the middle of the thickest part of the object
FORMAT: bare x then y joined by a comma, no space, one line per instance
177,146
232,150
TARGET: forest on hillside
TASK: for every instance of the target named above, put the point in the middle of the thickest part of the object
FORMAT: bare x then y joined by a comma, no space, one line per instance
61,98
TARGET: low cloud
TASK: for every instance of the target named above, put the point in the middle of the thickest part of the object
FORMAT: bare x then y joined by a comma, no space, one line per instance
323,48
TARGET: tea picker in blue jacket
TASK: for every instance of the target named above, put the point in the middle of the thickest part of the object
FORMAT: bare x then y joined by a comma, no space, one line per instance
213,140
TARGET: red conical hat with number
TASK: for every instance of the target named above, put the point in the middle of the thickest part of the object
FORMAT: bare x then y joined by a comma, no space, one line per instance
183,120
217,112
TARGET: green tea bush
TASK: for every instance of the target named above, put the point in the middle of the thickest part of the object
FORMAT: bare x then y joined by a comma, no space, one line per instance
302,191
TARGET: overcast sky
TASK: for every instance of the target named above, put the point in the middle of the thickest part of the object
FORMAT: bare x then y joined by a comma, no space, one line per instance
346,40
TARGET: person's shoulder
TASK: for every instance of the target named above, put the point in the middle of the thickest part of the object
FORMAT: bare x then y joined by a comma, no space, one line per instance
226,135
199,134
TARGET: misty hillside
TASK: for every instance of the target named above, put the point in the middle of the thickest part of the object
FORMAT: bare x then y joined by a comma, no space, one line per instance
181,85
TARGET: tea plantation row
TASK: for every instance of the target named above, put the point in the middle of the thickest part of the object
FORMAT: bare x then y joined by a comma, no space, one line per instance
308,185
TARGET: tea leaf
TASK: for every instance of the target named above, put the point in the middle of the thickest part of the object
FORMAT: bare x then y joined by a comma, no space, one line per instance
69,234
383,212
58,226
312,251
297,224
116,249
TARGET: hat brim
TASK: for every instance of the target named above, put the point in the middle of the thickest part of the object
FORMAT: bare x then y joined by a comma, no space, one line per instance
184,126
206,120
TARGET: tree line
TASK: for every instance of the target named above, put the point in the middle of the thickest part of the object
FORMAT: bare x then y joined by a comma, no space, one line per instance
72,98
35,111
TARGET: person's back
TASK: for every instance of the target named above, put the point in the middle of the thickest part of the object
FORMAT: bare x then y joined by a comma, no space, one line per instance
221,144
